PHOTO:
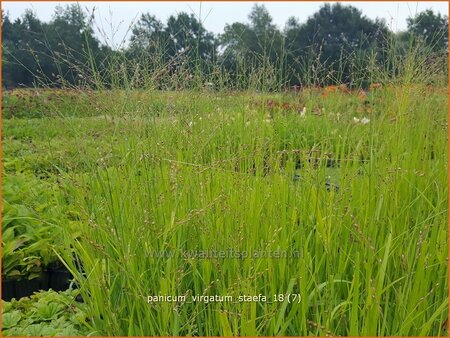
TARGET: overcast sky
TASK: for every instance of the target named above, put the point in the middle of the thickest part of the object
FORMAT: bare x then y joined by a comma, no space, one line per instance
214,15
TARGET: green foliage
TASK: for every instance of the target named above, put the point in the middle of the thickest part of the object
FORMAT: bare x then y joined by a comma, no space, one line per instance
32,218
45,314
337,44
148,35
331,36
24,103
181,34
254,46
431,28
58,53
181,47
201,171
258,39
180,171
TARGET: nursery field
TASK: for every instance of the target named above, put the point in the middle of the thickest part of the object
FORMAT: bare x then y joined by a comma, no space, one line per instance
211,213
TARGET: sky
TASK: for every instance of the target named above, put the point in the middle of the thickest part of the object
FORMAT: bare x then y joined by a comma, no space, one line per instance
113,19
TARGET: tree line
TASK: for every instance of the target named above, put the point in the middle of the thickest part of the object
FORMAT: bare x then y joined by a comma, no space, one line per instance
337,44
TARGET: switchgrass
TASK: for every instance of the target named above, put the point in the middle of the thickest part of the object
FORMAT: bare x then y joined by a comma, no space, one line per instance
215,172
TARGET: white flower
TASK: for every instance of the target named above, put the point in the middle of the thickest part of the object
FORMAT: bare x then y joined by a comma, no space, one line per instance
191,124
364,120
303,112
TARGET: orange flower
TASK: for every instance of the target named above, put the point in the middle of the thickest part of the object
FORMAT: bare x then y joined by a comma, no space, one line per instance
286,106
362,94
344,89
375,86
331,88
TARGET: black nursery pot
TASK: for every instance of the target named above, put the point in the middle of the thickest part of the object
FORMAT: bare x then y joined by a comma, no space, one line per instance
59,277
14,288
56,278
59,280
8,287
